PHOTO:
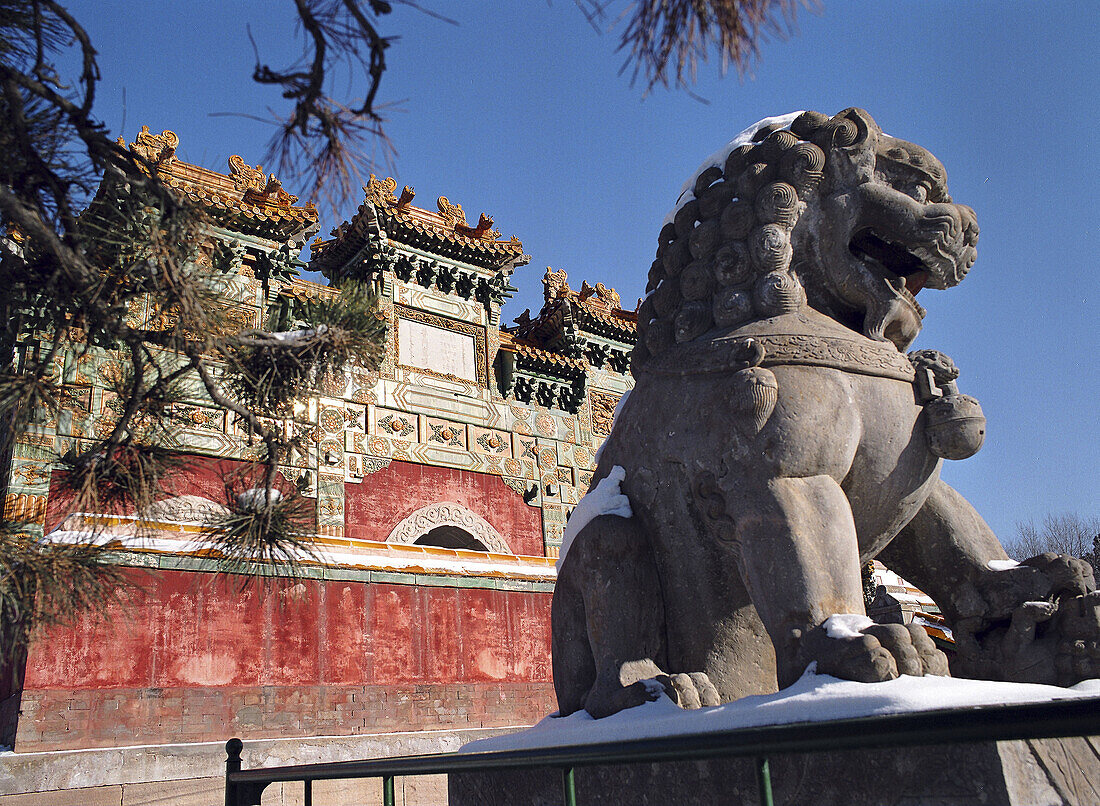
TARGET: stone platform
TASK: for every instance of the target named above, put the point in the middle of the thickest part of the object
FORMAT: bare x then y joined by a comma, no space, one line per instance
193,774
1039,772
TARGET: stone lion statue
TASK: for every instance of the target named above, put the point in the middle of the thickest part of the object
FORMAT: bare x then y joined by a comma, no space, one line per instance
778,436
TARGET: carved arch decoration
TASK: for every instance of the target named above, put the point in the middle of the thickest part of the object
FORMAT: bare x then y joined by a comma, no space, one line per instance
445,513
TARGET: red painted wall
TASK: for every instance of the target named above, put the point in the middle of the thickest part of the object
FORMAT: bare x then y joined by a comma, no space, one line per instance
190,658
385,498
204,476
182,628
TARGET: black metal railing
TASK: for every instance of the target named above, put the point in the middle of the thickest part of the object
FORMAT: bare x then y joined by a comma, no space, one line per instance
1079,717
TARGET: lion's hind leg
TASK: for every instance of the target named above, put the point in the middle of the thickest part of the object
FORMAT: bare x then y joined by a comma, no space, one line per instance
608,621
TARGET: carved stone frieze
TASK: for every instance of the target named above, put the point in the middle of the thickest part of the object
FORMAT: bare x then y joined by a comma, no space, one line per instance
372,464
603,412
185,509
548,457
525,447
30,474
331,419
396,425
492,443
545,425
445,513
447,433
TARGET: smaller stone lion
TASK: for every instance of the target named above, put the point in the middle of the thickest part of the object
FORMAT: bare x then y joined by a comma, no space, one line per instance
778,437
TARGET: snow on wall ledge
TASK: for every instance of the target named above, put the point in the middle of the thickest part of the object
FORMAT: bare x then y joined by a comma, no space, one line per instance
813,698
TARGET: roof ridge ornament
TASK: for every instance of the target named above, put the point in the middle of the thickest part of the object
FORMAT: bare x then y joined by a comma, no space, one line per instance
600,296
555,284
380,191
158,149
453,214
484,229
255,186
244,176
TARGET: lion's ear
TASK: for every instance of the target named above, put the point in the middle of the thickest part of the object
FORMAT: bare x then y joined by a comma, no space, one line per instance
864,125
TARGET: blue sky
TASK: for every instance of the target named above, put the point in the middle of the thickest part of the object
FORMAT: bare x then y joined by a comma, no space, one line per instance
520,112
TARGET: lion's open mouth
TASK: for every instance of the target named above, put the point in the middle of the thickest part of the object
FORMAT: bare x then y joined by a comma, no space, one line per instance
893,261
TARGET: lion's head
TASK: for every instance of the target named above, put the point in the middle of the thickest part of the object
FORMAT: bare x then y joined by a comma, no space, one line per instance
807,209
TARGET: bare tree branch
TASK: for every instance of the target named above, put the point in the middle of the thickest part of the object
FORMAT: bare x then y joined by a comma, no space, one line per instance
1067,533
324,141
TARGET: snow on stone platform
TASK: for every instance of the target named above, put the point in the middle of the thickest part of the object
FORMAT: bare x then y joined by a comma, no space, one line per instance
814,698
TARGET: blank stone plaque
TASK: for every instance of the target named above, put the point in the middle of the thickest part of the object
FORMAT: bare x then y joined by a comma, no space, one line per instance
436,349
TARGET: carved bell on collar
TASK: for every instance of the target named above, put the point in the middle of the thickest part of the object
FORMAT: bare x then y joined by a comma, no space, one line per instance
954,426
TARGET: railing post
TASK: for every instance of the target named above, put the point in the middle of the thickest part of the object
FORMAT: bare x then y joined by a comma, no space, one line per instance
764,781
233,750
387,791
569,786
308,800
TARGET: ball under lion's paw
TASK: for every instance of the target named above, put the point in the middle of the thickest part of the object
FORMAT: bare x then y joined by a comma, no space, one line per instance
854,648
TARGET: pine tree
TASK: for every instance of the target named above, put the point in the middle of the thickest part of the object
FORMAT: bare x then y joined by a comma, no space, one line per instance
99,257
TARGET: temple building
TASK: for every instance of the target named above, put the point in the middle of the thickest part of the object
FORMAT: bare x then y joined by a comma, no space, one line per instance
441,482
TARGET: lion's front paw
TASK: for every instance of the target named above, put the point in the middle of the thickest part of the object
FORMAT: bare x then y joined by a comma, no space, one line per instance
1063,573
694,690
854,648
1038,622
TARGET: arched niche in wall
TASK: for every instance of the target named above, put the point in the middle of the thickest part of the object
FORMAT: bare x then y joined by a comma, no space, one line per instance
451,537
451,523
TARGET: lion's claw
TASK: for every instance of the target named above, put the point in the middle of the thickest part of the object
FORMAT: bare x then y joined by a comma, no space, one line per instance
694,690
881,652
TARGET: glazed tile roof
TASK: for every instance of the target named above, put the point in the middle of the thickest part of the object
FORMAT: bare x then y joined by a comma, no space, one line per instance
444,232
307,288
626,321
246,197
594,308
537,356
